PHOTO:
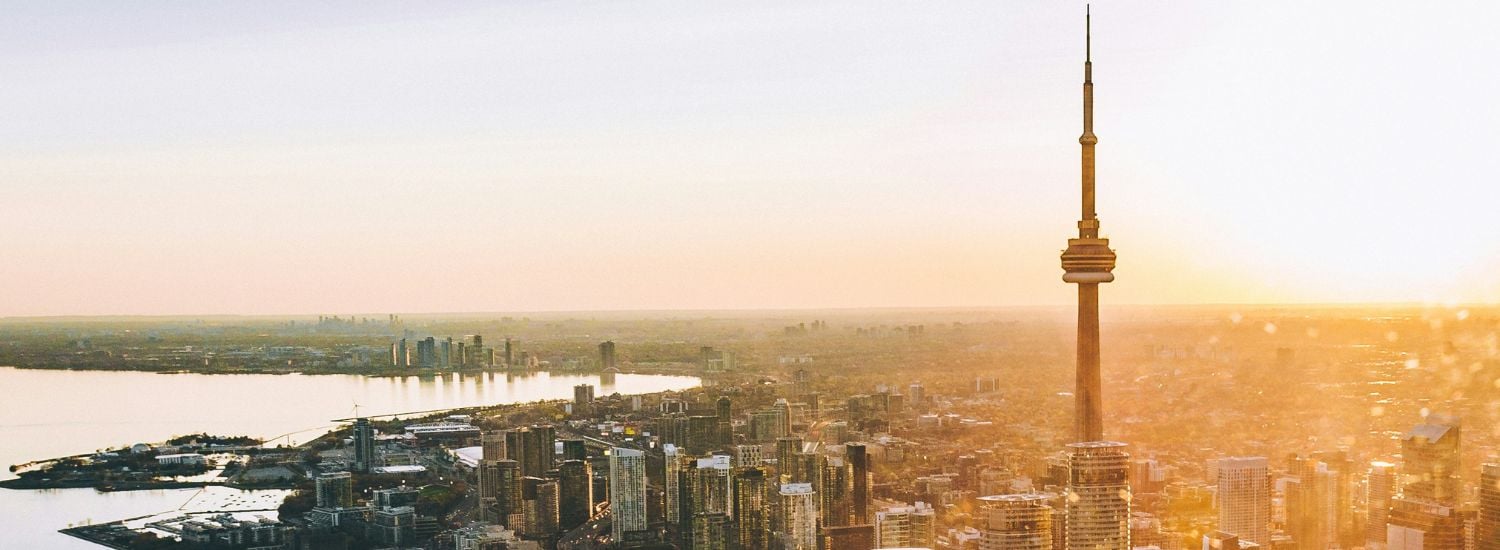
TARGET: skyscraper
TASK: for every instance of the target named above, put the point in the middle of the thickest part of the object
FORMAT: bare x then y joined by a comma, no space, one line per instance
627,493
1245,499
1088,262
492,446
860,479
1016,522
1488,535
607,354
1098,496
788,451
1380,487
752,519
1430,460
798,508
500,491
583,399
671,480
364,445
724,427
575,493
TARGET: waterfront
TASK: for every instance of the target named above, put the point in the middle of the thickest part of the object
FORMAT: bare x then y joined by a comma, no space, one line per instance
52,413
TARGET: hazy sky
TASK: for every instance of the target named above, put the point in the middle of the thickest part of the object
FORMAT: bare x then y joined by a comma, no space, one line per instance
332,157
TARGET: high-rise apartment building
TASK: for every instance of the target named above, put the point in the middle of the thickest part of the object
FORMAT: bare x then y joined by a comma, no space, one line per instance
1016,522
364,445
1380,488
607,355
583,399
752,514
1245,498
1098,496
798,510
334,490
627,493
905,527
672,464
492,446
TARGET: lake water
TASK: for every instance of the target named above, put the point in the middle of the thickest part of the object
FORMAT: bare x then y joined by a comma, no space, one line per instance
47,414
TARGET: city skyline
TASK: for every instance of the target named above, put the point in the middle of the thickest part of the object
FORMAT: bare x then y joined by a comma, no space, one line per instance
419,159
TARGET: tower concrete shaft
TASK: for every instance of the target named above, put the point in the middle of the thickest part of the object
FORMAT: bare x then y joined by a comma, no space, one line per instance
1088,262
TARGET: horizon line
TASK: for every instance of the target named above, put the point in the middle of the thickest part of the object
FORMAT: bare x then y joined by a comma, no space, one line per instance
842,309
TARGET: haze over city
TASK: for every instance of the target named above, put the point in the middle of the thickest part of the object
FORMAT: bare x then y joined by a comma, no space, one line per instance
456,156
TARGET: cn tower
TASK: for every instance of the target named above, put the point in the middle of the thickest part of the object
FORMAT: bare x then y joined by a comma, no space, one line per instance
1088,262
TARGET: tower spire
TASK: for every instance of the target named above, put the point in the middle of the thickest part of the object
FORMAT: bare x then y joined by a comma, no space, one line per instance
1087,262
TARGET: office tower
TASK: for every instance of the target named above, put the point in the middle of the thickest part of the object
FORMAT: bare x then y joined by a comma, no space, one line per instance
463,355
798,510
445,355
583,399
335,490
788,451
403,359
802,382
509,354
724,422
1087,262
1488,530
575,449
747,456
905,527
859,483
672,466
1430,460
1016,522
607,355
364,445
492,445
1423,524
627,493
752,515
1245,498
575,494
1099,496
1380,487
